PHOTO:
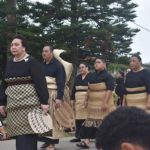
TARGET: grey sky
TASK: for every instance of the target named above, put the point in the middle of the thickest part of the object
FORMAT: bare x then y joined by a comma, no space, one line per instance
142,39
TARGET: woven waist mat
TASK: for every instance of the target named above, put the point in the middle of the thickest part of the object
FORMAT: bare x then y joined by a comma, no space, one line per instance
137,100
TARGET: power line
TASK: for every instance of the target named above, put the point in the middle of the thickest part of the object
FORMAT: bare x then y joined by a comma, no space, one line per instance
141,27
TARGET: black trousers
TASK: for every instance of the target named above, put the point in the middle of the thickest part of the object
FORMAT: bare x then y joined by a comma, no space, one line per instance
78,123
26,142
88,132
48,140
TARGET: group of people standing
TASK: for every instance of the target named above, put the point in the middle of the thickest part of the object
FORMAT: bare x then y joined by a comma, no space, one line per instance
28,84
25,88
127,128
92,96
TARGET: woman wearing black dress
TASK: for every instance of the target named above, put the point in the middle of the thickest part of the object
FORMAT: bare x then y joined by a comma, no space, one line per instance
24,88
137,85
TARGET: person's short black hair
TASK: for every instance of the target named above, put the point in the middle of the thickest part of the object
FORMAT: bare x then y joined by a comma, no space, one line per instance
102,58
22,38
137,56
50,47
85,64
125,124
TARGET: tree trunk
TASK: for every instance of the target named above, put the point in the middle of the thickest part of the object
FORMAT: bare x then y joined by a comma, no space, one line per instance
10,29
11,17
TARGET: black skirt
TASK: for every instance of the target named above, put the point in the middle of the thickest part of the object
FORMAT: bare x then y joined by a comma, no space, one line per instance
88,132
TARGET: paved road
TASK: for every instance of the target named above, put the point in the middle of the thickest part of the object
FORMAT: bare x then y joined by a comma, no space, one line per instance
64,145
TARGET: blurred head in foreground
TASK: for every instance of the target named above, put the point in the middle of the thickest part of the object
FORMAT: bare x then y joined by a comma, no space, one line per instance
127,128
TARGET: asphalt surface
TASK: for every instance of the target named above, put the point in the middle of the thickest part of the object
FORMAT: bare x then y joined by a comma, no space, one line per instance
63,145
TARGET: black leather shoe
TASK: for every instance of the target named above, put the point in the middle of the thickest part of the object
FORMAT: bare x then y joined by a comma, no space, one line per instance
75,140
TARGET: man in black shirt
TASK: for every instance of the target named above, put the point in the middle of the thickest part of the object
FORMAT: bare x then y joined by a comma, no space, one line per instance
55,76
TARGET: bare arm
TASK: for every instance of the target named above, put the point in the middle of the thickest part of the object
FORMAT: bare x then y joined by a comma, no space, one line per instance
148,102
124,102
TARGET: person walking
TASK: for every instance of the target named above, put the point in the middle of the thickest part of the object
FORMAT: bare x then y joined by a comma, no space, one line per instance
23,89
57,77
78,97
99,101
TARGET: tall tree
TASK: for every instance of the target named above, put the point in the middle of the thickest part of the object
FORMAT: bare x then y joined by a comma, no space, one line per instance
97,26
7,28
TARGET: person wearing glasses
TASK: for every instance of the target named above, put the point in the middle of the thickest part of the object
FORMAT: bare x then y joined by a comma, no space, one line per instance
99,100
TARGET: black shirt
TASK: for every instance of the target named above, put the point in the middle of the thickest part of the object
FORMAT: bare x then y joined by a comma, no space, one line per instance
103,76
80,82
56,70
120,88
26,68
138,79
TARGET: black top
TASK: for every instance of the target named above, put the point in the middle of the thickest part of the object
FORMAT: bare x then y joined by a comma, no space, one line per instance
120,88
56,70
103,76
138,79
2,93
79,82
26,68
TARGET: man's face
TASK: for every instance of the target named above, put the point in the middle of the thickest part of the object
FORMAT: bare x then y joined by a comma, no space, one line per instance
99,65
16,47
47,53
134,63
83,69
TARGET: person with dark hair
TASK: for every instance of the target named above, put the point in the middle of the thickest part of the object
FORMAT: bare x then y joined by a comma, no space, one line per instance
57,78
99,100
53,69
24,89
78,97
120,88
126,128
137,84
138,57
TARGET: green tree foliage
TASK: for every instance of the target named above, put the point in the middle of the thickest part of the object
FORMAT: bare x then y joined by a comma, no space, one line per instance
147,66
7,29
99,26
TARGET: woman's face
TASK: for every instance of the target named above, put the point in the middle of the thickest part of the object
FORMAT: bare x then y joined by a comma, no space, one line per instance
134,63
16,47
83,69
99,65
